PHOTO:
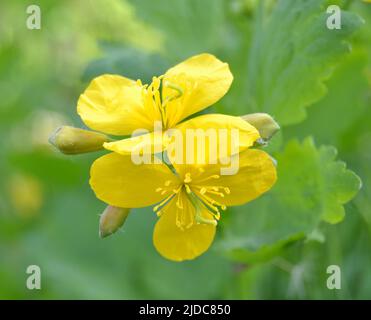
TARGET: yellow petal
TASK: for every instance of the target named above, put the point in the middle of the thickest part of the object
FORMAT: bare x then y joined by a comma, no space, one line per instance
224,123
203,79
179,244
115,105
207,139
256,175
145,144
117,181
214,132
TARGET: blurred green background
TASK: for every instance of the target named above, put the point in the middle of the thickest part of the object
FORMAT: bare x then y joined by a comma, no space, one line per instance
316,82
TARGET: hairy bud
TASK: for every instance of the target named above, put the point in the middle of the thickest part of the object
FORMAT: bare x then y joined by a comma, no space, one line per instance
70,140
264,123
112,219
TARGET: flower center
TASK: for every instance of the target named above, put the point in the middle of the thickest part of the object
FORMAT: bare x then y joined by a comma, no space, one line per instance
207,193
200,195
152,97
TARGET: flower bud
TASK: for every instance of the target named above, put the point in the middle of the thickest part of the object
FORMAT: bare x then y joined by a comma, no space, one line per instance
264,123
70,140
111,220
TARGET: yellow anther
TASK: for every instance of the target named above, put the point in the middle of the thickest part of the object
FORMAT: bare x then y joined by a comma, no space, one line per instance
214,176
187,178
158,189
203,190
202,220
163,192
216,193
167,183
227,190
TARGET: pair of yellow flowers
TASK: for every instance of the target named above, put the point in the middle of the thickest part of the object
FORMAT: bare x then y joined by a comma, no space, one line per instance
188,201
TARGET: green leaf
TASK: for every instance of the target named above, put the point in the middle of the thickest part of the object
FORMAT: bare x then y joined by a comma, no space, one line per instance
265,252
346,102
188,27
129,62
292,54
311,187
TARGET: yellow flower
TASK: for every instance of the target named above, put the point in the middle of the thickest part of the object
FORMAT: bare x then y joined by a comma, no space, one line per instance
117,105
187,202
188,195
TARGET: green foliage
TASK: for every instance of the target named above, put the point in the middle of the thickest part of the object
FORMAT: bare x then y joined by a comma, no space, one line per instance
291,56
187,27
118,60
349,77
311,187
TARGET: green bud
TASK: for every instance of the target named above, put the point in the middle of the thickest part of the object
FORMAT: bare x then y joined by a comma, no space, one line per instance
112,219
70,140
264,123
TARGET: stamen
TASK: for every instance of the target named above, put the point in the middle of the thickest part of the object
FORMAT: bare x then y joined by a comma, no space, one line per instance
167,183
217,215
178,222
214,176
214,190
179,202
201,219
155,84
209,205
188,189
211,200
187,178
163,202
216,193
191,219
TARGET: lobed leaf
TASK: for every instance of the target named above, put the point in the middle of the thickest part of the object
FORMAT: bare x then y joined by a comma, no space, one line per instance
311,187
